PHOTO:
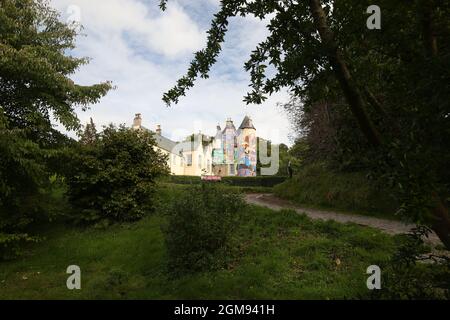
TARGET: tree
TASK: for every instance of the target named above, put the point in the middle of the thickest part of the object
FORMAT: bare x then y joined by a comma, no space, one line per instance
25,188
113,178
89,136
35,83
321,50
35,68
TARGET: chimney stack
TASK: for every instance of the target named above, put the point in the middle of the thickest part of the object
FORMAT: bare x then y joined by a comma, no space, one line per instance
137,122
158,129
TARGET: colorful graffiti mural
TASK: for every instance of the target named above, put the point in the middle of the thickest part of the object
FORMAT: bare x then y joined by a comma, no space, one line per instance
236,153
247,153
218,156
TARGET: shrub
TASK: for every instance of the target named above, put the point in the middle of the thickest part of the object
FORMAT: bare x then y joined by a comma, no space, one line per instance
414,272
112,179
184,179
200,226
259,181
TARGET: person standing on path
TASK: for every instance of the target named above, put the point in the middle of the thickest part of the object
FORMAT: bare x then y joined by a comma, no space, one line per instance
290,171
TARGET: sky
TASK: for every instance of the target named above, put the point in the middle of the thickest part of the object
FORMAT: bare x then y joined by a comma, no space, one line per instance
144,51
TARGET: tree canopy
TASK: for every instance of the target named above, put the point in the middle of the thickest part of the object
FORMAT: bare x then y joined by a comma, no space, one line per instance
35,68
35,88
386,90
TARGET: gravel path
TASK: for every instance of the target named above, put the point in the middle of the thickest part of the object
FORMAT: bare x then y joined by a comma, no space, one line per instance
389,226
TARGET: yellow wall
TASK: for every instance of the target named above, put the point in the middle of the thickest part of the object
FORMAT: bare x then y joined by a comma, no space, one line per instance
178,165
201,161
174,162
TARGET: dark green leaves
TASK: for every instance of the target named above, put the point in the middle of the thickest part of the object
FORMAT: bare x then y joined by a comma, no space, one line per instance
35,68
112,175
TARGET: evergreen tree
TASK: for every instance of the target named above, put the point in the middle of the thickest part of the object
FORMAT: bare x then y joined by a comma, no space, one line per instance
89,136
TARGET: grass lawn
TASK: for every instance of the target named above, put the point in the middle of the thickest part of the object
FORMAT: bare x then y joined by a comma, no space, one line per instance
278,255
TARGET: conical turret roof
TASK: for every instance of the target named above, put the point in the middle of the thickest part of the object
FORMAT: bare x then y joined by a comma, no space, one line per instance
247,123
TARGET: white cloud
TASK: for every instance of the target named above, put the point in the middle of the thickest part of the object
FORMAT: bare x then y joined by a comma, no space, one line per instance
170,33
144,51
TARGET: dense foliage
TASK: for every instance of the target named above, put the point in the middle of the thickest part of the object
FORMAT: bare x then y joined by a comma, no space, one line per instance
112,178
410,110
387,89
415,273
35,70
200,226
35,67
22,177
30,188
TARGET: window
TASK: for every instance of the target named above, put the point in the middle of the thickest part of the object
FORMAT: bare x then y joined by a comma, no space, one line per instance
232,169
189,160
199,162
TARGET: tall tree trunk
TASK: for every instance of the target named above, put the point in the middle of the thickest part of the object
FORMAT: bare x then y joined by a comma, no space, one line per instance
441,217
340,68
440,213
441,221
428,33
375,103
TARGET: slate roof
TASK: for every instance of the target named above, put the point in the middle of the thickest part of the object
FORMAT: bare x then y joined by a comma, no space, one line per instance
247,123
162,142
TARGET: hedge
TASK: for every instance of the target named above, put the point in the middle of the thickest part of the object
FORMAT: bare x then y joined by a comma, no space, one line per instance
259,181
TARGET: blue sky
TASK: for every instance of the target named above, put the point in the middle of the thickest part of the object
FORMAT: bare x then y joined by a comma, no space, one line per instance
143,51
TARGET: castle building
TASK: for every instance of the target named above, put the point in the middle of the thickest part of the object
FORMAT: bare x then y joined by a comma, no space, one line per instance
230,152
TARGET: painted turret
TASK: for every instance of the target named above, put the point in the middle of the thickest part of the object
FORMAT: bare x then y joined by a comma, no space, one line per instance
229,142
246,149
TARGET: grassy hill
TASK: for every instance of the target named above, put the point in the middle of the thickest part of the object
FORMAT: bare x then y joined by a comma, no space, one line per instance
316,185
277,255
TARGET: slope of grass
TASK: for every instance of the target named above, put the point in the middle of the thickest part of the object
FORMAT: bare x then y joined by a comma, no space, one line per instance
179,186
278,255
315,185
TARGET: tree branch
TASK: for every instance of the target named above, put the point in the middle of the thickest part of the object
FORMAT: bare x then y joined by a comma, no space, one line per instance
340,68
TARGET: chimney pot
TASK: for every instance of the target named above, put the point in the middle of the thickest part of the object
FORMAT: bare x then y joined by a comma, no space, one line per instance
137,122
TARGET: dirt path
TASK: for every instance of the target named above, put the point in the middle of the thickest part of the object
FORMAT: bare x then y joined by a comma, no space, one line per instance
389,226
